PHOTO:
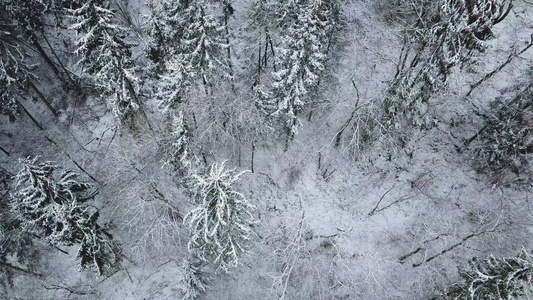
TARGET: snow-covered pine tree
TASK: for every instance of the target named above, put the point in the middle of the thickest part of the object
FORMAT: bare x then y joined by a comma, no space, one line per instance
13,242
13,74
193,281
27,15
39,199
171,15
165,29
204,45
496,278
107,55
17,19
97,247
287,12
177,153
173,84
5,185
24,21
30,13
261,15
227,8
445,34
300,61
222,225
118,80
155,49
192,46
54,209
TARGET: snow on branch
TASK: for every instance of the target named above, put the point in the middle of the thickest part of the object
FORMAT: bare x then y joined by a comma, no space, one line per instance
222,224
445,34
53,208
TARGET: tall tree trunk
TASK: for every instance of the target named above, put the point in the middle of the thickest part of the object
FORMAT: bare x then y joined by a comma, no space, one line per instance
76,86
271,49
258,74
137,100
43,98
230,64
265,57
5,151
46,57
253,154
29,115
19,270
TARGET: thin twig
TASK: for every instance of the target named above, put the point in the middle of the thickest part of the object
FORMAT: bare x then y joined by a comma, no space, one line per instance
500,67
68,289
19,270
356,107
71,159
5,151
381,199
460,243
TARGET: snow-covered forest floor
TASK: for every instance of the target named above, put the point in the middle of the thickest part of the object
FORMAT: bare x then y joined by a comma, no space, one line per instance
388,221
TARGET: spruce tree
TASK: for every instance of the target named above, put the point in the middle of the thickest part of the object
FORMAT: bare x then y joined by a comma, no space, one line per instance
19,19
505,143
222,225
155,49
204,46
193,281
14,72
104,51
187,45
27,15
287,12
261,28
174,83
300,62
495,278
445,34
177,153
261,14
54,209
14,243
165,29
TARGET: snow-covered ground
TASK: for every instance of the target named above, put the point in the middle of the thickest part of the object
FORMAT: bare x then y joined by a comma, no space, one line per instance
387,224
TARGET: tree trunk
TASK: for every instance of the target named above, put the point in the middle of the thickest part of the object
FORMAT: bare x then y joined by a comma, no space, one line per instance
43,98
265,56
272,50
76,86
5,151
253,153
230,64
29,115
46,57
19,270
258,79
